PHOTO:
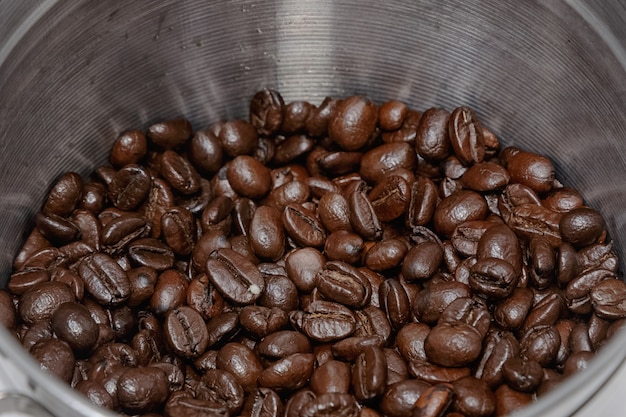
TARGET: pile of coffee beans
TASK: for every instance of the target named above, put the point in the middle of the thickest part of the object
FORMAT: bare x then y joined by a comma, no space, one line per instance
347,259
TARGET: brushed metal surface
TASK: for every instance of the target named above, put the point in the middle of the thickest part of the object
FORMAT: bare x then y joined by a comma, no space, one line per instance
547,75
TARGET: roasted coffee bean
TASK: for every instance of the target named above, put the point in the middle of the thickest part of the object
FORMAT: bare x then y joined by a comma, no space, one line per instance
459,207
324,321
369,376
522,375
422,261
434,299
331,404
562,199
493,278
185,332
473,397
469,311
183,404
541,344
390,198
170,134
238,137
8,315
384,159
129,187
222,328
609,299
280,292
577,293
169,292
434,402
334,212
223,388
151,253
142,389
466,136
363,217
399,398
344,284
73,324
534,171
352,122
485,176
129,148
511,312
64,195
466,236
289,373
205,152
216,215
104,279
303,226
581,226
395,302
263,402
302,266
432,141
267,110
248,177
423,202
235,277
56,357
283,343
242,362
332,376
453,344
391,114
95,393
261,321
386,254
509,400
344,246
56,228
577,362
179,173
499,347
351,347
267,236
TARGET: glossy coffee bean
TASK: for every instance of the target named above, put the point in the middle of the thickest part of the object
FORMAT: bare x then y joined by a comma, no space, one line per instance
473,397
369,376
169,292
466,136
332,376
344,284
129,187
352,122
378,162
205,152
399,398
267,110
453,344
235,277
581,226
459,207
532,170
238,137
242,362
185,332
324,321
267,235
432,141
141,390
64,196
54,356
73,324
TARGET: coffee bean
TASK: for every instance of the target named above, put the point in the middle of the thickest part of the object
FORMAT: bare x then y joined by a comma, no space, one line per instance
179,173
129,148
391,114
143,389
581,226
466,136
267,110
56,228
170,134
532,170
369,377
64,196
289,373
459,207
343,284
235,277
303,226
399,398
205,152
453,344
422,203
473,397
263,402
267,236
485,176
238,137
384,159
432,141
169,292
242,362
390,198
185,332
324,321
248,177
54,356
129,187
72,323
261,321
352,122
329,404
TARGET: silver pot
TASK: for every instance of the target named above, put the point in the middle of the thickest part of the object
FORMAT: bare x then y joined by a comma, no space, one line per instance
546,75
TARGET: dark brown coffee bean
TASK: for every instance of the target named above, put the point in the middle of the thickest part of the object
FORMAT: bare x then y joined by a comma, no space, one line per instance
332,376
261,321
129,148
185,332
395,302
152,253
72,323
512,311
391,114
469,311
390,198
242,362
303,265
205,152
169,292
54,356
466,136
609,299
459,207
235,277
64,196
473,397
581,226
577,293
493,278
303,226
500,242
344,284
289,373
509,400
119,232
34,243
160,198
352,122
432,301
534,171
541,344
143,389
522,375
422,203
223,388
248,177
399,398
93,197
95,393
434,402
369,377
344,246
317,123
562,200
104,279
22,281
577,362
386,254
238,137
267,236
498,347
181,403
8,315
222,328
324,321
331,404
179,173
380,161
334,212
432,141
170,134
453,344
422,261
263,402
351,347
485,176
56,229
267,110
129,187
